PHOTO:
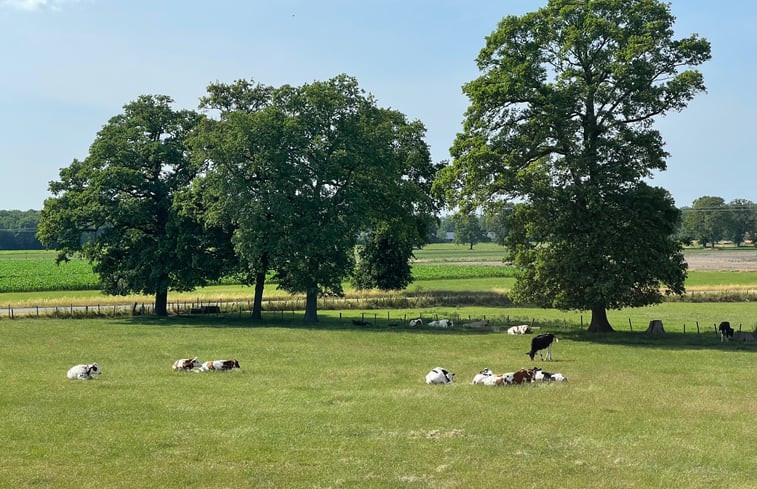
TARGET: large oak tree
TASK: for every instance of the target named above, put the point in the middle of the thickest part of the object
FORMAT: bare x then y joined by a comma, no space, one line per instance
303,170
561,121
129,208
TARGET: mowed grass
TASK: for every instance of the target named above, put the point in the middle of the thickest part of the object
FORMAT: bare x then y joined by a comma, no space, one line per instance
334,406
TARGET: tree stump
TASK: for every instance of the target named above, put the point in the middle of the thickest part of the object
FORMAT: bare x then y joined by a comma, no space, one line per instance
655,327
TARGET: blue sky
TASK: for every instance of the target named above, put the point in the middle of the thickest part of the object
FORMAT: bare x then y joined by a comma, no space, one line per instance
70,65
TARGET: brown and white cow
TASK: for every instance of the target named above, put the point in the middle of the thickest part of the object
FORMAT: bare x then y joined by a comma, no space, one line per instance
521,376
223,365
186,364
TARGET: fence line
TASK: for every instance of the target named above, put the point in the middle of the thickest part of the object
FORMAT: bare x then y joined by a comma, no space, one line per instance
292,310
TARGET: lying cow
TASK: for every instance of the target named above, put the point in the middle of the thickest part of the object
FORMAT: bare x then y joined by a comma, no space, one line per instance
414,323
541,342
83,371
742,336
441,323
539,375
520,329
439,375
521,376
482,376
223,365
186,364
477,324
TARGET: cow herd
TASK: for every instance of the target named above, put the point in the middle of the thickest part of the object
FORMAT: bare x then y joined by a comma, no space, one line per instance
85,371
441,375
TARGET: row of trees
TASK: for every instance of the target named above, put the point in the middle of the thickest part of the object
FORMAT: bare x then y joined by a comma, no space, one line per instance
710,220
283,180
18,230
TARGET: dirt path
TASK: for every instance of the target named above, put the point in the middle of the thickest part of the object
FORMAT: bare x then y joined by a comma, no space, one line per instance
710,260
742,260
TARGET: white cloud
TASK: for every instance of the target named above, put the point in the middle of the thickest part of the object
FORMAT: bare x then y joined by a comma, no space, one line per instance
34,5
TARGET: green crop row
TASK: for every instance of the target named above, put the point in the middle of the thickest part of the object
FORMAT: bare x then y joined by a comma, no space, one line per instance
40,272
32,272
424,271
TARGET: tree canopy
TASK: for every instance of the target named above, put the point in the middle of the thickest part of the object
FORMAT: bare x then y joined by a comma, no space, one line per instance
127,207
561,122
302,170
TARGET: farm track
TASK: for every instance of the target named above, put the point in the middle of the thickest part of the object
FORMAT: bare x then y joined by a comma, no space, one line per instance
743,260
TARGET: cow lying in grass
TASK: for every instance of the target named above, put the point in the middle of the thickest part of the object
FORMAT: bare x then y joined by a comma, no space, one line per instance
83,371
477,324
414,323
520,329
539,375
439,375
186,364
482,376
518,377
487,377
441,323
222,365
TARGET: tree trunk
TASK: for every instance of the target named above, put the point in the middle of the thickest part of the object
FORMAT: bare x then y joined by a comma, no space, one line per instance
161,302
599,322
257,304
311,306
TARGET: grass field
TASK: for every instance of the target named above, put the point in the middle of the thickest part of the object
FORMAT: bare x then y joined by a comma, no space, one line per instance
343,407
333,406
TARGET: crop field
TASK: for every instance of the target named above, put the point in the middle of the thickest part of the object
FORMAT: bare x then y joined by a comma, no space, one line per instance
338,406
22,271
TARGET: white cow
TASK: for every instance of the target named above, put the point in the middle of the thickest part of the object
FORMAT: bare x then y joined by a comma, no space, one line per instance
441,323
439,375
482,376
83,371
477,324
520,329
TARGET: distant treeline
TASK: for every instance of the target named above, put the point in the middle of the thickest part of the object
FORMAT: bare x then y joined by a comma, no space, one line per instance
18,230
708,221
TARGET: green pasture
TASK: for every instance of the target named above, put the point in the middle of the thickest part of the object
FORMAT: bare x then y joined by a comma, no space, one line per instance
339,406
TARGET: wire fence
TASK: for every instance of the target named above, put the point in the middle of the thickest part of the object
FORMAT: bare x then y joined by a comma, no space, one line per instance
291,311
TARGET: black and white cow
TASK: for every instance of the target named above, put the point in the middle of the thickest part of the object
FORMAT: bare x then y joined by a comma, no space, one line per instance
726,331
439,375
541,342
83,371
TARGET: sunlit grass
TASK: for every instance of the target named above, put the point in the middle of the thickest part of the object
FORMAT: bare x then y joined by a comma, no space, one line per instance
338,406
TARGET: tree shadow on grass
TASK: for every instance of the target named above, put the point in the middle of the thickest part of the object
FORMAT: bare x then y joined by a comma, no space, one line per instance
355,322
667,341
